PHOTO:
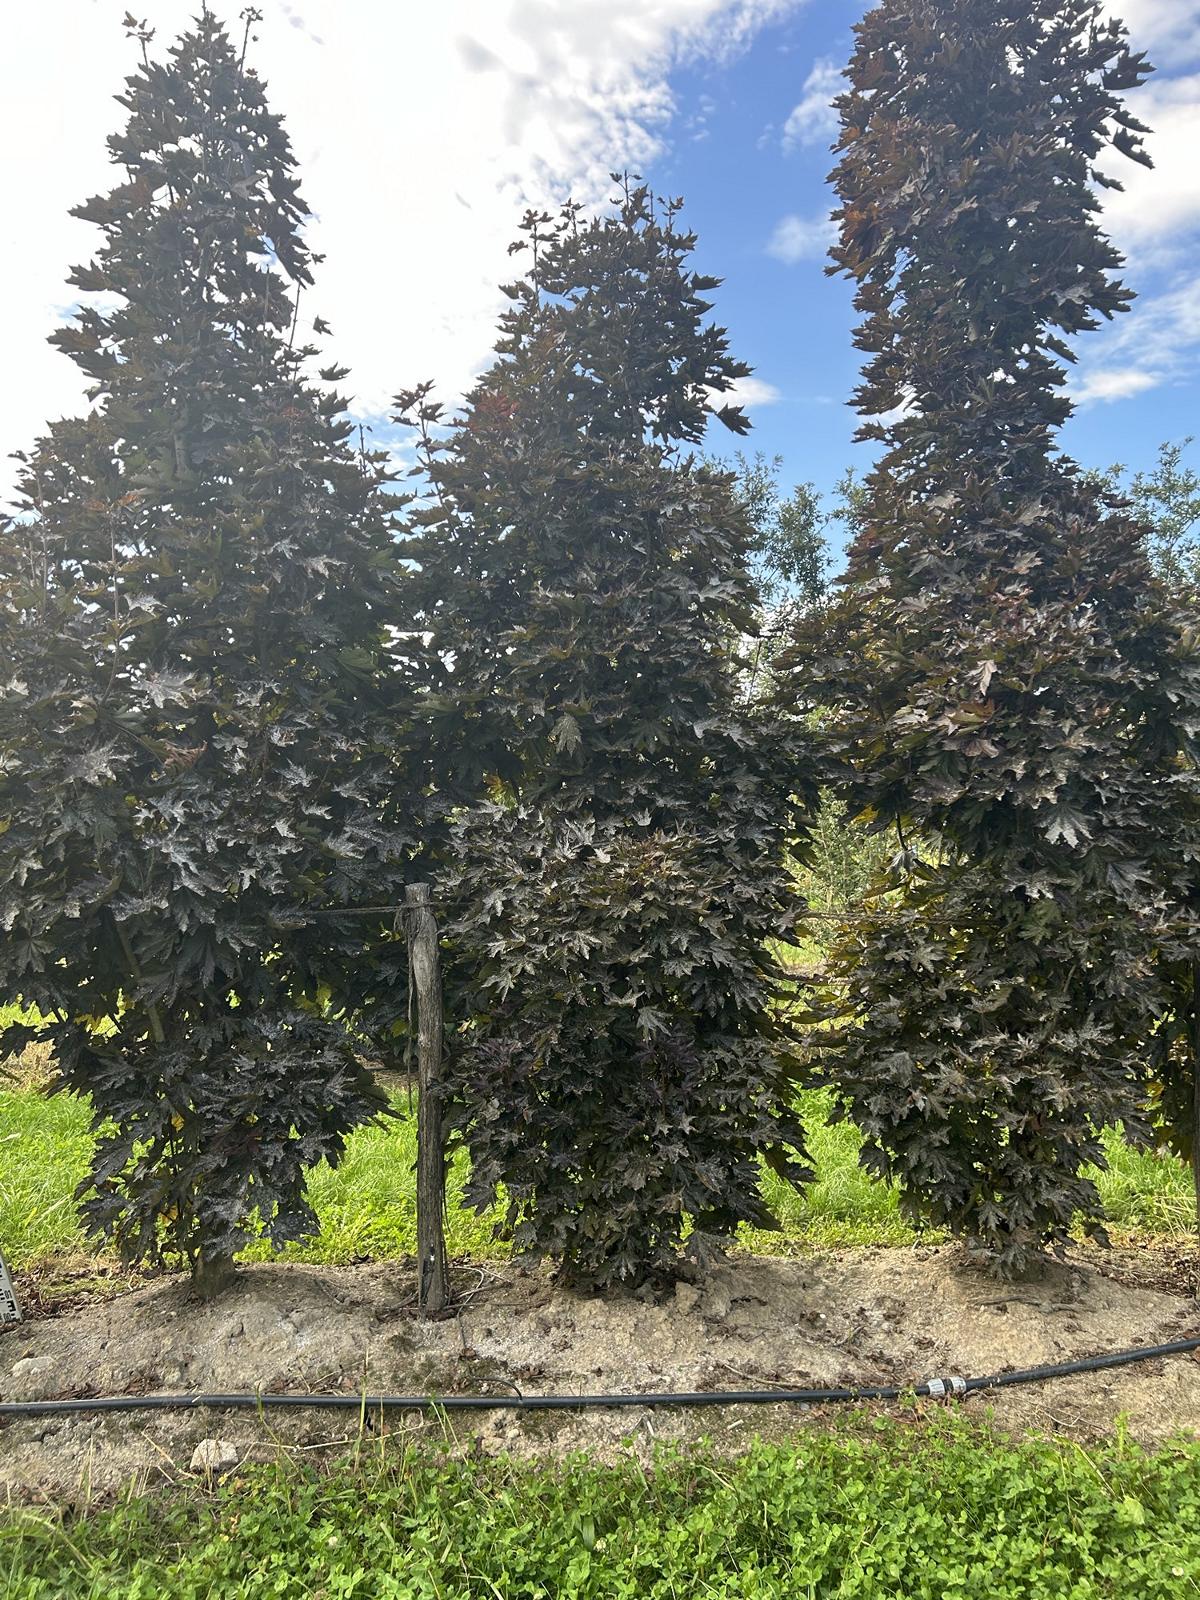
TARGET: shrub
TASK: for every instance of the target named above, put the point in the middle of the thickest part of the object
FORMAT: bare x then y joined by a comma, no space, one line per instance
623,1072
587,589
194,629
1007,688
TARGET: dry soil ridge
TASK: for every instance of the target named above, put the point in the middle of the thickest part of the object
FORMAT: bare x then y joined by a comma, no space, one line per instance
843,1318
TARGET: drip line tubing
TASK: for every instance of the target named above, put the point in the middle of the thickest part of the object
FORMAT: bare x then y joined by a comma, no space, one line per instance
933,1387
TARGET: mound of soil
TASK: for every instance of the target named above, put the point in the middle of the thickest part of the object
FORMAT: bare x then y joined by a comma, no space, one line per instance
838,1319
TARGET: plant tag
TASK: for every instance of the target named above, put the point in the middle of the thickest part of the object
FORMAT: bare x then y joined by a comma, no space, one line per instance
10,1311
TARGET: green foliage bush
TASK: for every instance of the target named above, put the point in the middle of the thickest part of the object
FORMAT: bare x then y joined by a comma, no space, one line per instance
872,1511
1166,500
845,859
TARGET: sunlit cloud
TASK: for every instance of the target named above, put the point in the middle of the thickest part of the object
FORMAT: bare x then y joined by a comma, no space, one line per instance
422,133
802,238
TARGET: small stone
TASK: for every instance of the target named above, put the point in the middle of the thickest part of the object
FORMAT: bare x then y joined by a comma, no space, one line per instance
687,1297
214,1457
29,1366
716,1302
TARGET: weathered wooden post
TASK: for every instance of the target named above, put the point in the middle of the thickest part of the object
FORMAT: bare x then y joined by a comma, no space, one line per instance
426,979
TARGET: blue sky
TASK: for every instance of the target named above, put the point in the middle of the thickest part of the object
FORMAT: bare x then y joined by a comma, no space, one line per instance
423,132
744,177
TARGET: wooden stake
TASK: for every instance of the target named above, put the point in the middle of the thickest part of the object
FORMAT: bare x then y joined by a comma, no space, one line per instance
426,977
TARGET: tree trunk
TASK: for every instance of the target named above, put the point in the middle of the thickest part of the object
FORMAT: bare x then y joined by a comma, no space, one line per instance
211,1276
426,979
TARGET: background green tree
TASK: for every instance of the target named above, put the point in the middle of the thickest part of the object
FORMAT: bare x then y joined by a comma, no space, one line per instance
790,553
196,613
790,561
1166,500
618,858
1007,690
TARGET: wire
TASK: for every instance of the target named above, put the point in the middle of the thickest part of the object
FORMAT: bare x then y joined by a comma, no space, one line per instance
933,1387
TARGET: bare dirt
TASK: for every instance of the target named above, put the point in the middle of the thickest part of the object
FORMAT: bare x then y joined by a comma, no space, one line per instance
841,1318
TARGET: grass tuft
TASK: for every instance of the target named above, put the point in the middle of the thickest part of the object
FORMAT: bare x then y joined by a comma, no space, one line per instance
34,1067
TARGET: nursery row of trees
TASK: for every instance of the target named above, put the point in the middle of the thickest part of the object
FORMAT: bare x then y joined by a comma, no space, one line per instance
253,687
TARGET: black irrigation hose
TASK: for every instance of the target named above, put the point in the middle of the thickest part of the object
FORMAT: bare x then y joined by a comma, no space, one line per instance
581,1402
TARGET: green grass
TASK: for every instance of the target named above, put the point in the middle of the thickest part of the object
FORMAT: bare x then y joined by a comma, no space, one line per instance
32,1068
867,1511
45,1146
1143,1193
366,1207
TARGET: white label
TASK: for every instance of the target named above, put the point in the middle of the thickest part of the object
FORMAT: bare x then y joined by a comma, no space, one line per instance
10,1311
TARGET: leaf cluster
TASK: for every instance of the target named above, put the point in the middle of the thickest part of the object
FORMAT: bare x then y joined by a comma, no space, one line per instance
623,1069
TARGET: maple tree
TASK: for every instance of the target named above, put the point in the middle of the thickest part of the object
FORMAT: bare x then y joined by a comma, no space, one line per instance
198,718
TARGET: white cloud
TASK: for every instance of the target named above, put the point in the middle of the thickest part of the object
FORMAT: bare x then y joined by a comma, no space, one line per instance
422,133
1158,203
714,30
1169,29
1114,383
813,120
1155,219
1157,343
802,238
750,392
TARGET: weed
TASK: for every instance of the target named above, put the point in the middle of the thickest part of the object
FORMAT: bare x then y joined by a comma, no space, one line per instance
869,1510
